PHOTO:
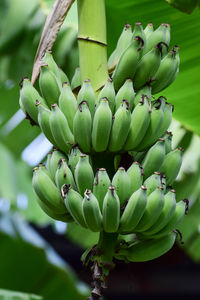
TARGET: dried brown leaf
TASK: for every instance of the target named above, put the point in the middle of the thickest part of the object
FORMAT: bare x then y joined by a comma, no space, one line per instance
51,28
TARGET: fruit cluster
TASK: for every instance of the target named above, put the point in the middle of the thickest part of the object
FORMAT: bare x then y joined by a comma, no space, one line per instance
143,56
79,183
120,122
129,202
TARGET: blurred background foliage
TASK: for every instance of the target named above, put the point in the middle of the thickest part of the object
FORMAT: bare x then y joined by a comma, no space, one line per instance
22,146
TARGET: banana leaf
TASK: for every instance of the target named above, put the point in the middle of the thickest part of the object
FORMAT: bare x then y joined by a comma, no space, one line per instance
10,295
30,265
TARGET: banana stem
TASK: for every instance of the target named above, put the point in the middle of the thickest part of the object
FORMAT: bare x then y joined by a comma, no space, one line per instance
106,245
103,263
92,41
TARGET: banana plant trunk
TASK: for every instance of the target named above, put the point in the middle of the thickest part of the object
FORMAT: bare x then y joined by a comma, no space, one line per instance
92,41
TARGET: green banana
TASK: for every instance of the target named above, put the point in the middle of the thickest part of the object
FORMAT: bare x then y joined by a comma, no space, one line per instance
147,250
117,160
168,141
46,190
102,123
153,182
172,165
111,211
165,70
133,211
122,185
87,93
174,74
146,90
60,129
63,76
76,79
53,162
154,158
60,75
64,217
166,214
128,62
161,34
74,158
74,202
125,92
44,121
83,127
101,185
147,67
120,127
21,105
108,92
156,120
68,104
138,31
83,174
167,118
49,85
64,175
140,120
135,173
122,44
179,212
148,30
48,161
91,212
155,203
49,60
28,97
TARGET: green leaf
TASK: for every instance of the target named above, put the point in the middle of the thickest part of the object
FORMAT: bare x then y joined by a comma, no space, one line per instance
12,24
30,265
16,187
15,138
9,295
27,204
184,93
8,186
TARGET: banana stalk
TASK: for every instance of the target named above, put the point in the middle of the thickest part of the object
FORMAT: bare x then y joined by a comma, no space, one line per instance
92,41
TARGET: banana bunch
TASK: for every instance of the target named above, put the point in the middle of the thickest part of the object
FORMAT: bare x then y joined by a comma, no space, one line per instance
139,200
84,180
143,56
111,123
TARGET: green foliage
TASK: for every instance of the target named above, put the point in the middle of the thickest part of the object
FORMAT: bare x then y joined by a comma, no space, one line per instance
33,267
12,25
8,187
10,295
15,184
